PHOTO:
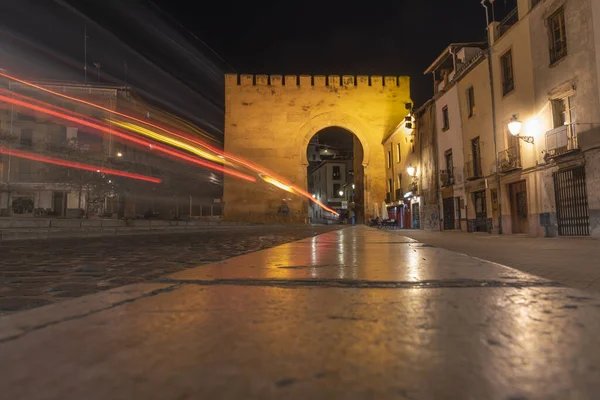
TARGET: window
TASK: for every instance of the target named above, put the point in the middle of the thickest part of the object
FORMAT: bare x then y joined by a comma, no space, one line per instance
337,175
389,158
508,81
445,119
400,182
563,112
26,138
398,153
390,185
476,149
558,36
336,189
449,161
471,101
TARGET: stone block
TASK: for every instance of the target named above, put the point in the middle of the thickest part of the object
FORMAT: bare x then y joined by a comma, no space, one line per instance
291,81
391,81
247,80
262,80
348,80
333,81
305,80
320,81
363,81
376,81
276,80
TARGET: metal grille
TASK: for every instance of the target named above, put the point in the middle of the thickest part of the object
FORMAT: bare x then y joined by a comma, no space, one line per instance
448,205
571,202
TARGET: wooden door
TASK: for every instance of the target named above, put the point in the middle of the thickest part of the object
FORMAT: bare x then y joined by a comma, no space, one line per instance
518,207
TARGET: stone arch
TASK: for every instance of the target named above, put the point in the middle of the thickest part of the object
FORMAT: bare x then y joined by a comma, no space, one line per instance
330,119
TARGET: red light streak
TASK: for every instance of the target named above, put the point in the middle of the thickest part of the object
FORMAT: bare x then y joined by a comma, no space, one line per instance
117,133
77,165
241,161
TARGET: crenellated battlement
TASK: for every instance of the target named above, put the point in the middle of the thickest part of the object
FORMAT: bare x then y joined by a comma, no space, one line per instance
332,81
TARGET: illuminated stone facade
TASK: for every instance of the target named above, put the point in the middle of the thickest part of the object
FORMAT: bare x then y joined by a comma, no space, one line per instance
270,120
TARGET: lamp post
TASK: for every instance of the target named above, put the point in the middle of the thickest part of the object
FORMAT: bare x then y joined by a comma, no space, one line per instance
514,127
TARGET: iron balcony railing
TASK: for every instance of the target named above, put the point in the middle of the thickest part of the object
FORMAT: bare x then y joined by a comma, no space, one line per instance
473,168
509,159
561,140
504,25
399,194
447,177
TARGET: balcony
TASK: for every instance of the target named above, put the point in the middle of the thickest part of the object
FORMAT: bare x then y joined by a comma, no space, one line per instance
447,177
509,160
504,25
473,168
399,194
561,141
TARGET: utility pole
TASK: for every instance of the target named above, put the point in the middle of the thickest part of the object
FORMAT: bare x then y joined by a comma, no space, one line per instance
125,67
494,128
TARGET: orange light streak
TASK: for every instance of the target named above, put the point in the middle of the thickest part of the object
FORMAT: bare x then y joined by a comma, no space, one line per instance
117,133
77,165
231,157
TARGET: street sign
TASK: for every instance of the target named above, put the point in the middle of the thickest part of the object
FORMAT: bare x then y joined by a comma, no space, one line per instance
344,204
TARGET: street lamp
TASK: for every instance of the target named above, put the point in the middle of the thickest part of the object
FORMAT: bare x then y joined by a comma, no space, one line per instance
411,171
514,127
119,154
341,192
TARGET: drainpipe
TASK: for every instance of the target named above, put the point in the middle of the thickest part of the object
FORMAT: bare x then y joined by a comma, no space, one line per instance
494,129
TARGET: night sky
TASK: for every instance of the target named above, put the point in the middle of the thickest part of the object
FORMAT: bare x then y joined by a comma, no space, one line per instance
177,51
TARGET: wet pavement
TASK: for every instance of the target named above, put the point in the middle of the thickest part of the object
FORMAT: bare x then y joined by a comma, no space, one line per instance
568,260
356,313
36,273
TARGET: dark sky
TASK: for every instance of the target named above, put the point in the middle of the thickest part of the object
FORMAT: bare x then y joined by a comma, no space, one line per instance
397,37
178,51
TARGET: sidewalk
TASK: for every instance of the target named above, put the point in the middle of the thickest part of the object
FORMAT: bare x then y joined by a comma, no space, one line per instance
574,262
54,228
355,313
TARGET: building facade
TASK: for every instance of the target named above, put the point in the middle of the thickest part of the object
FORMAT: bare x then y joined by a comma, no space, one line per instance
524,114
454,63
32,188
331,182
401,151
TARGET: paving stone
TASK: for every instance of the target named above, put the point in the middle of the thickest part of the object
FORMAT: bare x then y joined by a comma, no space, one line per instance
76,266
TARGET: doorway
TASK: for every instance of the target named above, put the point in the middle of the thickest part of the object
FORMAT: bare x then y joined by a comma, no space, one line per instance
480,223
59,203
518,207
448,206
416,216
572,212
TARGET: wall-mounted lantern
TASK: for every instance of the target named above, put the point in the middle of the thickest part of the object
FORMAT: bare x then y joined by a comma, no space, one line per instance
515,126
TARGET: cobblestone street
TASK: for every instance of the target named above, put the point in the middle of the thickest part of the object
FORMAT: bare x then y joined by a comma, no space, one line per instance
36,273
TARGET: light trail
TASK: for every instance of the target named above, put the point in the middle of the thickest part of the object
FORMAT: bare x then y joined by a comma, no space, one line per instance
162,138
77,165
117,133
241,161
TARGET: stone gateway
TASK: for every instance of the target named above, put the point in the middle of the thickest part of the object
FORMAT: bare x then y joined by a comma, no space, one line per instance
269,120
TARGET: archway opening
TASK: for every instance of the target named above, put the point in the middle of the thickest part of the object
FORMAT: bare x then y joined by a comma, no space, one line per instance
335,176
